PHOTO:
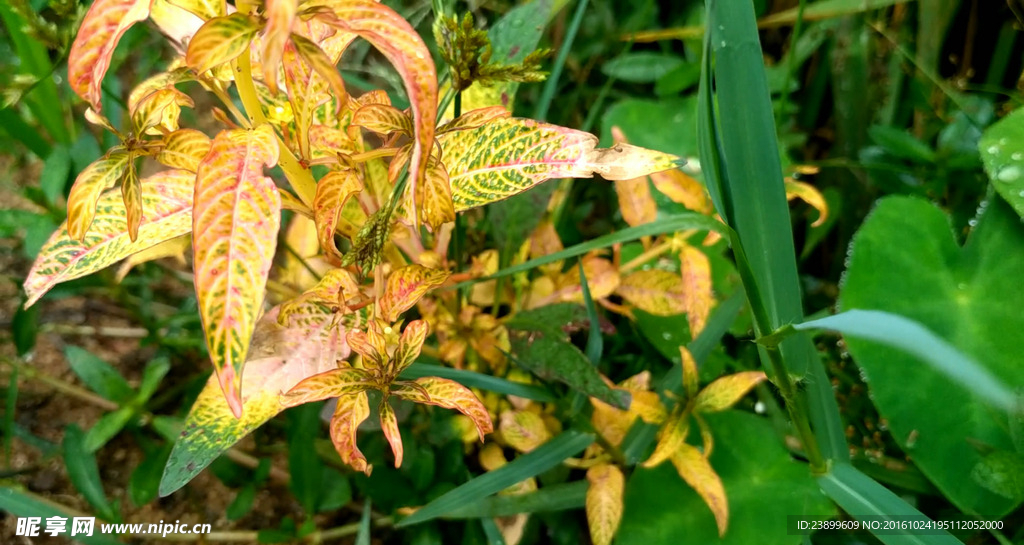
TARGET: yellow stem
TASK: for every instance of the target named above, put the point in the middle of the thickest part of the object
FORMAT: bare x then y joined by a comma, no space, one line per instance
650,254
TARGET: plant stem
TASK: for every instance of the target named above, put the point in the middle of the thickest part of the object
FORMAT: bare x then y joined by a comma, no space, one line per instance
648,255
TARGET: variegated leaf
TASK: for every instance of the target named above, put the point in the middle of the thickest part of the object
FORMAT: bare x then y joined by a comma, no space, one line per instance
204,9
695,469
331,292
158,112
131,195
405,287
474,118
167,201
333,383
332,192
654,291
395,38
450,395
220,40
156,82
350,412
671,438
236,217
370,344
175,247
523,430
389,425
726,391
96,178
102,27
509,155
184,149
604,502
383,119
177,24
409,346
280,357
697,287
322,65
434,197
280,14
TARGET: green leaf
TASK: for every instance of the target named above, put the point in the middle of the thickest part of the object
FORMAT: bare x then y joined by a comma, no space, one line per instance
556,497
1001,472
85,474
762,484
641,67
98,375
472,379
20,503
154,372
537,461
363,536
303,463
145,480
595,342
335,490
905,260
54,178
901,144
242,504
107,427
862,497
674,133
24,328
1002,152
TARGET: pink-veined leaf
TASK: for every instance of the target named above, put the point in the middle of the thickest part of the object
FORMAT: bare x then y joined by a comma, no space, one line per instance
280,14
280,357
389,425
131,195
236,217
99,176
332,192
158,112
184,149
450,395
474,118
697,288
724,392
351,411
654,291
369,344
383,119
167,202
395,38
509,155
334,288
604,502
695,469
101,29
333,383
405,286
322,65
174,247
220,40
523,430
434,196
409,346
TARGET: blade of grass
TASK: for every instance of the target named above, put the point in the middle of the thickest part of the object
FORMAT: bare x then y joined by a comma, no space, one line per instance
867,500
10,405
363,537
492,532
17,129
595,342
557,497
541,459
85,474
471,379
21,503
551,85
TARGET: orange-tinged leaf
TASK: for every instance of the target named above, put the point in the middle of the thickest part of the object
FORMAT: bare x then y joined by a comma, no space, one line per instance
157,82
101,29
691,380
131,195
654,291
369,344
184,149
635,201
475,118
604,502
167,202
671,438
301,268
810,195
99,176
695,469
683,189
545,241
724,392
510,155
697,288
333,383
383,119
323,65
176,23
523,430
158,111
332,291
409,346
405,287
389,425
174,247
280,14
205,9
392,35
435,196
332,192
236,217
602,280
220,40
450,395
329,142
351,411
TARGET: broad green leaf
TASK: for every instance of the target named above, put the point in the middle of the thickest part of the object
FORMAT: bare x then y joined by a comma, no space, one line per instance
604,502
102,27
392,35
55,173
167,205
510,155
654,291
902,144
762,484
641,66
304,465
363,536
21,503
235,222
89,186
543,458
144,485
281,356
1002,152
405,286
98,375
220,40
332,192
84,473
905,261
1003,473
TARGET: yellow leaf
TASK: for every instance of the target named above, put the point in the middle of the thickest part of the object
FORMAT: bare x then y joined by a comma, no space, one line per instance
810,195
332,291
174,247
696,272
726,391
158,112
604,502
405,287
184,149
654,291
475,118
602,280
101,29
683,189
351,411
491,457
99,176
435,197
220,40
691,380
383,119
280,14
705,435
332,192
389,425
236,217
131,195
409,346
635,201
302,263
523,430
695,469
448,394
671,438
334,383
322,64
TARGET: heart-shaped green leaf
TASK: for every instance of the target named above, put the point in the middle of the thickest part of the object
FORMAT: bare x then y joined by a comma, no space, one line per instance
905,260
1002,152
